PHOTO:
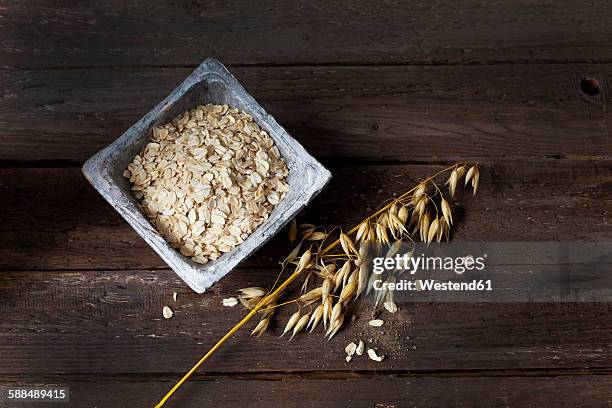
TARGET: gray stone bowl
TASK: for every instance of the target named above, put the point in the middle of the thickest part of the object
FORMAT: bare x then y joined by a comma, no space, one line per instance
211,82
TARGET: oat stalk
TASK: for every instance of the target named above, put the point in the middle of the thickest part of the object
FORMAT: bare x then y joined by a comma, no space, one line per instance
351,279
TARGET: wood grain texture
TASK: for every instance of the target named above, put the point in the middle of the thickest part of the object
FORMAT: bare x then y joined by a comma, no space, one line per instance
355,391
89,33
377,114
105,322
53,219
382,93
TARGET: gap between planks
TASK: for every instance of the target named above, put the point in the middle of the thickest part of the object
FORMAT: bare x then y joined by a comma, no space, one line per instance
321,375
329,64
337,162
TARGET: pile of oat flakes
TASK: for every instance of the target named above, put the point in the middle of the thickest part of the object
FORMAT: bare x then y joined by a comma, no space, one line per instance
208,179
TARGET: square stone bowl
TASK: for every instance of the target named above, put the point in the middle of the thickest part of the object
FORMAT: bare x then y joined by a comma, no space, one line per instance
211,82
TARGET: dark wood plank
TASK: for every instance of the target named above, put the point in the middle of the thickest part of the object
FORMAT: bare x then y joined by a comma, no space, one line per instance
107,322
377,392
53,219
358,113
166,33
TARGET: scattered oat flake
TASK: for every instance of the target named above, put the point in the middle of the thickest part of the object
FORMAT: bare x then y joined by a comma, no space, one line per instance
174,295
167,312
374,356
360,348
349,358
231,302
350,348
391,307
376,323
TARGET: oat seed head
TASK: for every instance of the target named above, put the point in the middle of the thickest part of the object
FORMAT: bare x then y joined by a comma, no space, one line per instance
347,244
327,310
474,175
424,227
252,292
349,290
316,236
334,326
446,212
311,296
402,214
315,318
341,277
261,327
362,232
336,320
291,323
452,182
300,325
304,261
381,234
327,288
293,231
432,231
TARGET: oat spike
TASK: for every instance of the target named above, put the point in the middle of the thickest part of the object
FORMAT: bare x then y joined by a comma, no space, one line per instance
315,318
362,279
433,230
312,296
304,261
305,283
402,214
474,175
293,231
381,234
348,291
419,192
327,311
447,212
252,292
364,250
300,325
291,323
316,236
336,320
452,182
292,255
362,231
261,327
342,275
424,227
326,289
347,244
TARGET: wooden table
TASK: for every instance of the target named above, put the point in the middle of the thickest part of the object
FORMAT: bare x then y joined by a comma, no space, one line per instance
382,93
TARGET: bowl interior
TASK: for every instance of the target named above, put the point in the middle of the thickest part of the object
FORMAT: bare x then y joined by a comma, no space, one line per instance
211,87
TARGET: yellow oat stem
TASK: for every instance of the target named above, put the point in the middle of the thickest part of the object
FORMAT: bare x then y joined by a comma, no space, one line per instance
229,334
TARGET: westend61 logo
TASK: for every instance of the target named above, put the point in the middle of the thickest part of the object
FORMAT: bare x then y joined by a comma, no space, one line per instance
411,264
